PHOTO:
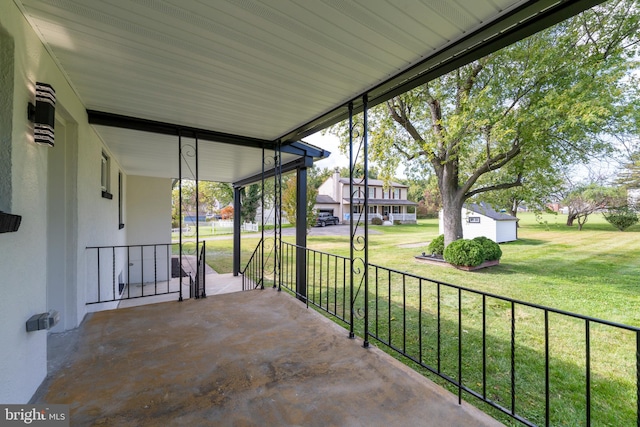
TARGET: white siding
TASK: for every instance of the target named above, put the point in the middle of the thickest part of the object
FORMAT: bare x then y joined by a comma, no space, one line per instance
328,188
486,227
498,231
507,231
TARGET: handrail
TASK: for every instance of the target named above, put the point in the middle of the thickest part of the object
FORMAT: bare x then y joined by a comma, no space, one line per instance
119,278
253,269
515,301
131,246
199,283
326,277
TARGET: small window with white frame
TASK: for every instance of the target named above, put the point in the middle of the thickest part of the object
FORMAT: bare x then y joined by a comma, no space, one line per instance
396,193
372,192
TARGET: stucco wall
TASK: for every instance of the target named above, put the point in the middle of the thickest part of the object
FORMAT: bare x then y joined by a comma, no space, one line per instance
23,254
148,221
148,217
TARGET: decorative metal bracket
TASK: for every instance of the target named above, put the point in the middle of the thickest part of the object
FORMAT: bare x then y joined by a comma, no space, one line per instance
359,216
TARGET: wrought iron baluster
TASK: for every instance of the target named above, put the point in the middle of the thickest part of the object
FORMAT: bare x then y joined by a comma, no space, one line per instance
547,409
587,338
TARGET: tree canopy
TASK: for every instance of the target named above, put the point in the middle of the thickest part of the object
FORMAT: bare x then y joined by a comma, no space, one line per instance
509,118
629,176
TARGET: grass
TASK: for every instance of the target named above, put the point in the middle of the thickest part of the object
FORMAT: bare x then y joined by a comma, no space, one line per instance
592,272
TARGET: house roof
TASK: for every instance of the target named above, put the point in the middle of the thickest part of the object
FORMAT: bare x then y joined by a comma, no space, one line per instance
486,210
322,198
374,182
243,75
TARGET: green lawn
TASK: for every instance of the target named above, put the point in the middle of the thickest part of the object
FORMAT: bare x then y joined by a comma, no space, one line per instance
591,272
594,272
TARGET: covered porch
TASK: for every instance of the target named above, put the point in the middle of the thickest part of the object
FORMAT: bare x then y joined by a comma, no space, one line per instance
152,92
245,358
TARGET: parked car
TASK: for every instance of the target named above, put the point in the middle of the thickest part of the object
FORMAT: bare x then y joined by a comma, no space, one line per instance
325,218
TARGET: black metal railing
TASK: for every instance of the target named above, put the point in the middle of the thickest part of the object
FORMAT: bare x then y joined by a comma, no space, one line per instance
253,272
511,355
490,346
327,277
130,271
198,284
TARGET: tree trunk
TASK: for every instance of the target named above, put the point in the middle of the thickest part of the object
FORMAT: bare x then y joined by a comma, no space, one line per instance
513,208
570,219
452,202
451,220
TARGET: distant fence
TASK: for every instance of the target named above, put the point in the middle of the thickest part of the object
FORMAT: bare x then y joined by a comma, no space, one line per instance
218,227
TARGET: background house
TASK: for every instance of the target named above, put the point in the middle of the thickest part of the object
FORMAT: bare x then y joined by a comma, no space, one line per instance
482,220
387,204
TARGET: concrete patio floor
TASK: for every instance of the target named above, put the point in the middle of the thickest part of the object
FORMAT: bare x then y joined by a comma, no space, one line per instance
215,284
256,358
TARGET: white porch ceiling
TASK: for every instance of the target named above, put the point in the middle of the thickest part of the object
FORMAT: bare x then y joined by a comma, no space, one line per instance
252,68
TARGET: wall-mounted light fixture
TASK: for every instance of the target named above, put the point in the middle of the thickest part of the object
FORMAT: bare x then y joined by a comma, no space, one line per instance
43,114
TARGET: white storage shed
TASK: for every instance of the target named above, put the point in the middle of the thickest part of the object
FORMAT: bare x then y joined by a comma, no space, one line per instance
482,220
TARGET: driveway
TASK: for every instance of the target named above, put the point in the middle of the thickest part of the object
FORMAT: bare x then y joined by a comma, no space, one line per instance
329,230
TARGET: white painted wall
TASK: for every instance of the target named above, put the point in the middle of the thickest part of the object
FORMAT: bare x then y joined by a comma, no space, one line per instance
498,231
148,221
148,212
24,254
486,227
506,231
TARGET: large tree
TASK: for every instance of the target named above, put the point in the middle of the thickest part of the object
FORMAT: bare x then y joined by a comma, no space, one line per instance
496,122
250,200
289,201
587,199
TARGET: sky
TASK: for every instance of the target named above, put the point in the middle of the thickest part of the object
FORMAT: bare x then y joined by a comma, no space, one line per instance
331,143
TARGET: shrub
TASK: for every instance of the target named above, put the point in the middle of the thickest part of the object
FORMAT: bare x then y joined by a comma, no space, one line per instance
464,252
376,221
436,246
490,248
621,218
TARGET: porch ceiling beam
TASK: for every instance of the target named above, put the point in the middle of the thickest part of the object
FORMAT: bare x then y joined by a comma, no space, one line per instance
520,23
302,149
302,162
135,123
